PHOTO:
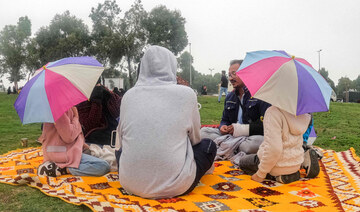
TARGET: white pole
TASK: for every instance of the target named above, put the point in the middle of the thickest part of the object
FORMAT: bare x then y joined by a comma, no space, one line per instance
319,57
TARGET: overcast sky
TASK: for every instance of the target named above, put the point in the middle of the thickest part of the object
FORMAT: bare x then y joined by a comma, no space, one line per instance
220,31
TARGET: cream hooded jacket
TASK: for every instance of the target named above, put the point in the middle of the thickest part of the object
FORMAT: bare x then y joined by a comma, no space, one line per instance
281,153
159,123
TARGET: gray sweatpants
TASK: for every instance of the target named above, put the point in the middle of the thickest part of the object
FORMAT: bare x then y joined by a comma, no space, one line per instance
250,145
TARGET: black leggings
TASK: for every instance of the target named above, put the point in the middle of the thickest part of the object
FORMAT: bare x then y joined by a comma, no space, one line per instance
204,155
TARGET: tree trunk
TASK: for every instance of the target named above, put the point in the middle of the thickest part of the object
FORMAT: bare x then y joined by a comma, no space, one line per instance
130,77
15,82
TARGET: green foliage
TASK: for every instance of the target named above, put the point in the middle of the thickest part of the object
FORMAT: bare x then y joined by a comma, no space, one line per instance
166,28
118,40
344,84
133,33
113,39
184,64
107,45
356,83
211,82
32,61
198,79
325,74
13,41
66,36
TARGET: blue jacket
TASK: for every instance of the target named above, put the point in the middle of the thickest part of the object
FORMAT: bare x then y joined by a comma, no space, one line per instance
253,111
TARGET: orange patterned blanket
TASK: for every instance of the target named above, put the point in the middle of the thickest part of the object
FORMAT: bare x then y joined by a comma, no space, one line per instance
227,189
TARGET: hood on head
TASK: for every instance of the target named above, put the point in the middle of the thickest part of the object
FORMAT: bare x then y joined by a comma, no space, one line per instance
158,67
297,124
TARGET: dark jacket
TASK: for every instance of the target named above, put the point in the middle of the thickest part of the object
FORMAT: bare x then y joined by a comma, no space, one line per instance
224,81
98,116
253,111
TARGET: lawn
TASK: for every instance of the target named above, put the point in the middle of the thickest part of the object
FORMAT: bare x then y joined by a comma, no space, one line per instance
337,130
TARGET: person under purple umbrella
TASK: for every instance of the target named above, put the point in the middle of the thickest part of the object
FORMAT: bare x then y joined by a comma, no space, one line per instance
281,154
62,145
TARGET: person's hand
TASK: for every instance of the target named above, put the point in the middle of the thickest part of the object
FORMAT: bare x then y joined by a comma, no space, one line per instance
86,149
75,111
256,178
226,129
230,129
86,146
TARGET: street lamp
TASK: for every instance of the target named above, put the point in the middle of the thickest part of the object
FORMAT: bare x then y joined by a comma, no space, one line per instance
190,63
211,69
319,57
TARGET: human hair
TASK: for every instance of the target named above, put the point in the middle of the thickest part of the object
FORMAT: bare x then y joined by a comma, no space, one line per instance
232,62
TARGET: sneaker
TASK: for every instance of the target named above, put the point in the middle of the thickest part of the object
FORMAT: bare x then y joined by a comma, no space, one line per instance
285,179
50,169
317,150
311,163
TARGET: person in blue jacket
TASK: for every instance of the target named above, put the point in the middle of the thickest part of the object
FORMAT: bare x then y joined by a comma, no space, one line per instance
242,115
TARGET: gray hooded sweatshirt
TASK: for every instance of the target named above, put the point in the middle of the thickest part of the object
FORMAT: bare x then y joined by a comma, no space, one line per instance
159,123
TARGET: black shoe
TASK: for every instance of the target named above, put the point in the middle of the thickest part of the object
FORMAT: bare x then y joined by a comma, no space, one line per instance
48,169
318,151
285,179
62,171
311,163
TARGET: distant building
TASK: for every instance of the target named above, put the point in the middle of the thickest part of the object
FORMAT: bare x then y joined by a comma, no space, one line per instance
351,96
111,83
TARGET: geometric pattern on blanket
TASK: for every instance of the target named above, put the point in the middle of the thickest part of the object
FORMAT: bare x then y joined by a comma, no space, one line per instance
343,169
227,189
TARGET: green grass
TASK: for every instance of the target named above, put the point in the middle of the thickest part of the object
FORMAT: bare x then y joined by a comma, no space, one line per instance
343,122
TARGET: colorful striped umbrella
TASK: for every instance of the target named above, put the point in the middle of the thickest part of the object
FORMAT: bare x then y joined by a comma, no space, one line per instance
287,82
56,87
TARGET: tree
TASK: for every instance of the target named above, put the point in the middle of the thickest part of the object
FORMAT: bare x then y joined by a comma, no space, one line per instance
32,61
166,28
356,83
344,84
184,64
13,41
325,74
66,36
133,35
117,40
107,45
198,79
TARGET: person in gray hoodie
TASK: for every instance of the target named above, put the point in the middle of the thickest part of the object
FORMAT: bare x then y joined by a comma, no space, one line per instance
162,155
